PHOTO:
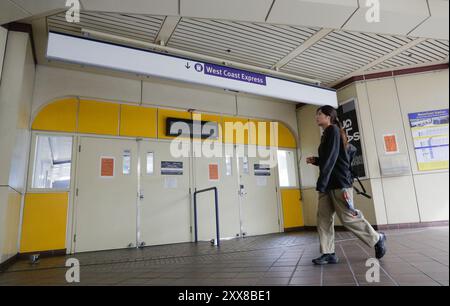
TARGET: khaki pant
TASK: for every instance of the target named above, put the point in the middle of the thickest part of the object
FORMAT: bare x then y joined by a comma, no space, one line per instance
340,202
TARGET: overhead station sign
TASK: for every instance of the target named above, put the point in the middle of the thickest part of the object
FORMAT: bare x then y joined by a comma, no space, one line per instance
105,55
231,73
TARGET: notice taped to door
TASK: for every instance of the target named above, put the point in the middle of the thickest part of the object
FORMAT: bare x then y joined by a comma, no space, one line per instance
261,181
170,183
171,168
213,172
262,170
106,166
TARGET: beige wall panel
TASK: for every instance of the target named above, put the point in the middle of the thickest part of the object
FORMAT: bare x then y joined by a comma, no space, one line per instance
3,37
309,143
52,83
378,201
10,202
421,92
401,203
432,195
260,107
178,95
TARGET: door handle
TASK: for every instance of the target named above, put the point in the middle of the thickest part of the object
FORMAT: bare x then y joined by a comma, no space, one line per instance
242,190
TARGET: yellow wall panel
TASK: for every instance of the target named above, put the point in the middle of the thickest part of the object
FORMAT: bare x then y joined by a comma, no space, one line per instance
163,114
138,121
232,136
286,138
98,118
44,222
292,208
257,137
58,116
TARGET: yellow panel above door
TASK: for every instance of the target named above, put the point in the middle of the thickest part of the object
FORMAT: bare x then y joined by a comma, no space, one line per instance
60,116
261,134
238,135
286,138
98,118
138,121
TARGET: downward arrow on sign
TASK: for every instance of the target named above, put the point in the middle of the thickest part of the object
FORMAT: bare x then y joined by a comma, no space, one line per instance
188,66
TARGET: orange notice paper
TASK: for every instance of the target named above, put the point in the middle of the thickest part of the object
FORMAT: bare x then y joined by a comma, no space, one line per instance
213,172
107,167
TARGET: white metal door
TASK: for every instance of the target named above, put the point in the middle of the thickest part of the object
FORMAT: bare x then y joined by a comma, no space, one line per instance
164,207
227,183
105,206
258,192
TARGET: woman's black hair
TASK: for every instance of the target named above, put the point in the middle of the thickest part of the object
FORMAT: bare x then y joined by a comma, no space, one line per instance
331,112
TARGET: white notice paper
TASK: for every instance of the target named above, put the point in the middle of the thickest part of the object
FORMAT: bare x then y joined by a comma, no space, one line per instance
170,182
261,181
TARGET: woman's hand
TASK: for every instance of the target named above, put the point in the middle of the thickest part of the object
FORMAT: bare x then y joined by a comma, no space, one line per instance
311,160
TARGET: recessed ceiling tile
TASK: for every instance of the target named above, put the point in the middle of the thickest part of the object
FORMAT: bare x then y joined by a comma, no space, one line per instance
321,13
139,27
259,44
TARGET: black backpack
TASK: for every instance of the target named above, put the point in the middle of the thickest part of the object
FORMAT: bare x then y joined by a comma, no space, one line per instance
351,151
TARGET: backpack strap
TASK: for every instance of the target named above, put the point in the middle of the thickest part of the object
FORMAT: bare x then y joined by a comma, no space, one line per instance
364,192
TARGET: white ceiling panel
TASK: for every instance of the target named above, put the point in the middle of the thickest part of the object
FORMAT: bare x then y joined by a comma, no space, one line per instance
438,24
40,6
10,11
147,7
248,10
322,13
397,17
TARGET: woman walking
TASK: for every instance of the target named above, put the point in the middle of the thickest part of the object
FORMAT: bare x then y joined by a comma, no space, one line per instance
336,192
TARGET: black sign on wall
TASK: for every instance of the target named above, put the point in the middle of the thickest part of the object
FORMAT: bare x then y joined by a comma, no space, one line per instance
185,127
348,117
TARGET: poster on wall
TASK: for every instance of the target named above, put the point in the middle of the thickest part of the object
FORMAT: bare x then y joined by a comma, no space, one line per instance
430,135
348,117
390,144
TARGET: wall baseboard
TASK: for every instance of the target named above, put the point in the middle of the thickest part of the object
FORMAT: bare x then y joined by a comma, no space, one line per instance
377,227
411,225
5,265
43,254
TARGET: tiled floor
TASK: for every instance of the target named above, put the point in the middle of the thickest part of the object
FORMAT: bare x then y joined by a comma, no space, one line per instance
415,257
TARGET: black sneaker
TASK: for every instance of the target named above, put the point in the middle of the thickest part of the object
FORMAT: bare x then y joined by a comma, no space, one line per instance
326,259
380,247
